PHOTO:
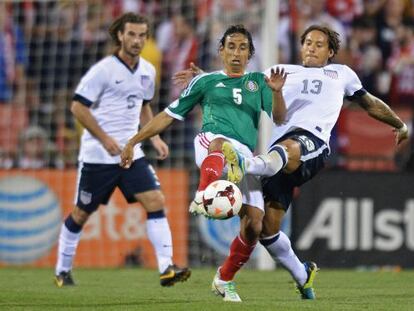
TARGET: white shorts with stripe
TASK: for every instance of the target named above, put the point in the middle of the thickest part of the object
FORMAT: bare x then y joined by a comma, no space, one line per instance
250,186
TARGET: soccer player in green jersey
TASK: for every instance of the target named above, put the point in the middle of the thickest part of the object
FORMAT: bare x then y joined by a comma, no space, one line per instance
300,147
232,101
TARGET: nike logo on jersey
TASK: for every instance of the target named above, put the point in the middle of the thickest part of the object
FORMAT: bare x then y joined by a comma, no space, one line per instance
220,84
118,81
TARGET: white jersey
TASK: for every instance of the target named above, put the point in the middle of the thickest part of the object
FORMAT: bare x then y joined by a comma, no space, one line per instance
115,94
314,98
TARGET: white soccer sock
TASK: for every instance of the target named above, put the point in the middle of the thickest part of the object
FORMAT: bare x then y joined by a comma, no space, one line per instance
68,242
267,164
281,251
159,233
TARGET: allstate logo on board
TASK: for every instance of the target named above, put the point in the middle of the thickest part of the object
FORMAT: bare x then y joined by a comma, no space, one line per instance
30,219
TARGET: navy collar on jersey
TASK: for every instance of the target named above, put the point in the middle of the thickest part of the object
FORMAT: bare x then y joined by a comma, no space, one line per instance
133,70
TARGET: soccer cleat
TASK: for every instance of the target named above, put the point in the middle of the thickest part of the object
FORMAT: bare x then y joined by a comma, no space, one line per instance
234,162
225,289
196,206
174,274
306,291
64,279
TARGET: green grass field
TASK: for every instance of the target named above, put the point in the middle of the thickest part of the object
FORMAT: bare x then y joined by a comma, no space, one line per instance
138,289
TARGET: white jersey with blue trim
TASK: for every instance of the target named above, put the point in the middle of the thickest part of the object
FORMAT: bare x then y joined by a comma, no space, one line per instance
115,94
314,97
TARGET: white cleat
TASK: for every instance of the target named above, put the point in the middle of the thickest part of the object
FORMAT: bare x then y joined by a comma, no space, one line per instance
196,206
225,289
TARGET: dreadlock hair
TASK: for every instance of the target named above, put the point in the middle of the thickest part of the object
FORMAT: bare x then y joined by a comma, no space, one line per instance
238,29
119,24
333,37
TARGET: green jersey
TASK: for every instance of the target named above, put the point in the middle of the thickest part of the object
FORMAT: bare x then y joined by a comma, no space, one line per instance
231,106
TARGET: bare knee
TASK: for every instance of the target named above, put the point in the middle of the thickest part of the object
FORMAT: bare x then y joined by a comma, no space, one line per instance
152,201
252,224
158,201
79,216
216,144
254,228
294,152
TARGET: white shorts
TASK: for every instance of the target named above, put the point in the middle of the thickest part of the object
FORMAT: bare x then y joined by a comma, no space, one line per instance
250,186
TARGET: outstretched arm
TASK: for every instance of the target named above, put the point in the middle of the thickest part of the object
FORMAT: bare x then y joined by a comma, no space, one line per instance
159,145
380,111
159,123
276,81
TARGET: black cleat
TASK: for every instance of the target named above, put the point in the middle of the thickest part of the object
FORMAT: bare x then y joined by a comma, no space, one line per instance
64,279
174,274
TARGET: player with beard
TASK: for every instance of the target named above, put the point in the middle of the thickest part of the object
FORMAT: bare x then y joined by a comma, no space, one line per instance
111,101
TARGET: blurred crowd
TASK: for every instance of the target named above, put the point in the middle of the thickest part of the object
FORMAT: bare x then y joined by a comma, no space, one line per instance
47,45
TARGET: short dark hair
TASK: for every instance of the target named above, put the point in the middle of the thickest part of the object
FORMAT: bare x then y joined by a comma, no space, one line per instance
119,24
242,30
333,37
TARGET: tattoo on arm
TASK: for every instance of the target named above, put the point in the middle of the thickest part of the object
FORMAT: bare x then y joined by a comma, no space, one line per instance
379,110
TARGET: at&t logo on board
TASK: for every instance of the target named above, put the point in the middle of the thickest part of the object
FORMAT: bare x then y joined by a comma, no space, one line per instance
30,219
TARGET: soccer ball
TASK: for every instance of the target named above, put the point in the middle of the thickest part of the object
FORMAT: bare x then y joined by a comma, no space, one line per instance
222,199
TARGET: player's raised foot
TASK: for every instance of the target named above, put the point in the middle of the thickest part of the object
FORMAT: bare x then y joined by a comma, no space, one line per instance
64,279
234,162
174,274
225,289
306,291
196,206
